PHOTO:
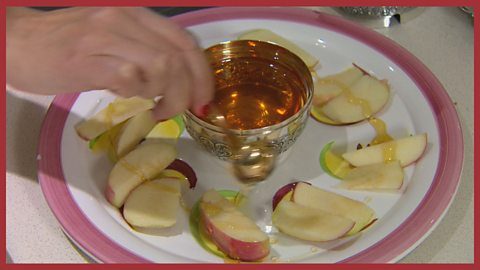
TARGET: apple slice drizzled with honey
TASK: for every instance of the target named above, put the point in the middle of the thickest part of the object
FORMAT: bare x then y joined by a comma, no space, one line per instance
348,97
221,228
124,124
307,212
115,113
378,166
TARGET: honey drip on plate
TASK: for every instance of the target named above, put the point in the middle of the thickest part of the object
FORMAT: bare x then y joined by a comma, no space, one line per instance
383,137
380,127
381,130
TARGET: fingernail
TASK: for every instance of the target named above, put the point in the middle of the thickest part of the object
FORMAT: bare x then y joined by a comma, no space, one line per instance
204,111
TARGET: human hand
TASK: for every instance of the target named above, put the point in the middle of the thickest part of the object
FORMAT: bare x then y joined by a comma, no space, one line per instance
129,51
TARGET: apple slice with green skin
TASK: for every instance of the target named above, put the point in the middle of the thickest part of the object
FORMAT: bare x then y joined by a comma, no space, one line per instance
360,101
153,204
407,150
308,223
116,112
319,116
141,164
269,36
333,164
106,142
133,131
169,130
328,87
234,233
378,176
335,204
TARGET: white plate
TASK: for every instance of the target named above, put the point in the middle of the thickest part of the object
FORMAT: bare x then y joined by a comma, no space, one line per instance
73,179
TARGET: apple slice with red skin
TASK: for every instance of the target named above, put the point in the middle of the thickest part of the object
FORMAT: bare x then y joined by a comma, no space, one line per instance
375,177
141,164
347,97
307,223
307,195
361,100
407,150
185,170
153,204
328,87
133,131
315,197
284,193
234,233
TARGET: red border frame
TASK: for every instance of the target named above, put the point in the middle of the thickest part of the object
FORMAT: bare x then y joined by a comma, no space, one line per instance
175,3
3,206
297,3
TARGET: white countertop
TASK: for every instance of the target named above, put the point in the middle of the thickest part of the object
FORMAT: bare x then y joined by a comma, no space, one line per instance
441,37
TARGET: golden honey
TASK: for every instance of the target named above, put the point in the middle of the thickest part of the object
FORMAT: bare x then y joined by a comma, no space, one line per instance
252,93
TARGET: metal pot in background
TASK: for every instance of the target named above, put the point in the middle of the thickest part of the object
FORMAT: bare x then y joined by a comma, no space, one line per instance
381,16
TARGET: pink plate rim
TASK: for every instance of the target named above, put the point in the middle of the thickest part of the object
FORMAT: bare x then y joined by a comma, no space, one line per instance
419,224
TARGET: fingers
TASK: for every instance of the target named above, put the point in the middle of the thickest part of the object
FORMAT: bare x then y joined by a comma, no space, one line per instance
110,72
177,96
203,81
186,43
153,57
151,65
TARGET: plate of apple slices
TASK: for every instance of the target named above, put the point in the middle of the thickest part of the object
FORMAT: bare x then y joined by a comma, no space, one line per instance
372,174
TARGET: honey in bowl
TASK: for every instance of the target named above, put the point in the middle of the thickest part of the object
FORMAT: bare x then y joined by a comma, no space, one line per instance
253,93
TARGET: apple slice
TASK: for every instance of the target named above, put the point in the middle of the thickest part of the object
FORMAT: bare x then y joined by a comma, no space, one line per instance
333,164
171,173
317,114
116,112
284,193
133,131
269,36
153,204
233,232
185,170
141,164
406,150
363,99
378,176
330,86
168,130
308,223
181,170
106,142
335,204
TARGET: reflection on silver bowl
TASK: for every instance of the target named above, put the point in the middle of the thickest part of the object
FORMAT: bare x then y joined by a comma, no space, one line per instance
274,73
